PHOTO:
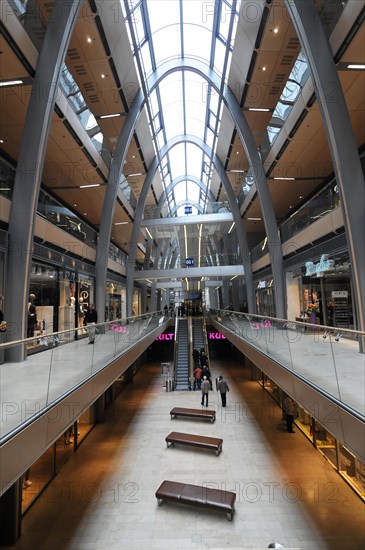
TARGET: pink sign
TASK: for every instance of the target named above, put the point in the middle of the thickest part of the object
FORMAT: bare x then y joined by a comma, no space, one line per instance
216,336
169,336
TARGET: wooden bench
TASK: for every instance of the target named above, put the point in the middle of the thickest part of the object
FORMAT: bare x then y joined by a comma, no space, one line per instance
195,441
196,495
193,413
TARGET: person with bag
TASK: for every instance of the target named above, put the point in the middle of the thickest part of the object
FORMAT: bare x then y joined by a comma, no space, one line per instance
223,388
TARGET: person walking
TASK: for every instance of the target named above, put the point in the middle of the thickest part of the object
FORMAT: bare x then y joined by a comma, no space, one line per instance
91,317
196,357
223,388
197,378
205,391
289,413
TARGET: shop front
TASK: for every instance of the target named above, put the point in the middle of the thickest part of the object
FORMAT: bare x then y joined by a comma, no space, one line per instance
265,297
115,307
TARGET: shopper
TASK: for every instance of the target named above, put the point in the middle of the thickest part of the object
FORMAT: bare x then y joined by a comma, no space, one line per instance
223,388
197,378
205,391
289,410
91,317
196,357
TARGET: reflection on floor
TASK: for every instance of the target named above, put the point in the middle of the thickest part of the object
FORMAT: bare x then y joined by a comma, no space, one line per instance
104,497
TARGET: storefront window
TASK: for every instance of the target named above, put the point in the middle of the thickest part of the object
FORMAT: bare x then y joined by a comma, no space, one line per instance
326,443
43,305
115,301
304,422
352,470
37,478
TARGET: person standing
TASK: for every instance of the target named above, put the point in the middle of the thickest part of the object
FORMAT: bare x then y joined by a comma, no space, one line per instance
205,391
91,317
223,388
289,410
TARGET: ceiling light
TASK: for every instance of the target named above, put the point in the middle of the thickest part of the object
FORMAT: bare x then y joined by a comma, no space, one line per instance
254,219
102,75
85,214
149,233
89,40
1,141
286,179
120,223
149,281
264,243
263,68
300,196
90,185
230,229
276,30
133,175
356,66
10,83
75,204
259,109
110,116
237,152
237,171
234,277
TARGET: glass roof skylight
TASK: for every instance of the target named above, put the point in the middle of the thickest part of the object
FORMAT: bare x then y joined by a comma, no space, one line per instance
161,30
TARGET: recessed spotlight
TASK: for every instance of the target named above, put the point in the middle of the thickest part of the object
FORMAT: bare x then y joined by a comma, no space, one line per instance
103,75
237,152
300,196
290,206
85,214
276,30
134,156
263,68
1,141
89,40
75,204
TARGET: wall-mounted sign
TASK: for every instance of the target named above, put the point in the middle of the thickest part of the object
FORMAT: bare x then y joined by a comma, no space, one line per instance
261,284
189,262
188,209
323,265
339,294
163,336
216,336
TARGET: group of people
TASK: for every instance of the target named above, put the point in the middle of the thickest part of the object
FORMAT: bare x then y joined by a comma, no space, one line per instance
222,387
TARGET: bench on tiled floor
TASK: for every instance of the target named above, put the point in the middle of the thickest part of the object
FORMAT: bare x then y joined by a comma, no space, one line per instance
213,443
193,413
196,495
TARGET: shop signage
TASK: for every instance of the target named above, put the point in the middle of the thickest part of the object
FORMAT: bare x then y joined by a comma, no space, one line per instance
189,262
216,336
261,284
323,265
263,324
339,294
118,328
169,336
188,209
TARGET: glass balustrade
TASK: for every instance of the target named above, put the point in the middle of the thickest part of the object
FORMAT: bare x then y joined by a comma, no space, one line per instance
28,387
328,358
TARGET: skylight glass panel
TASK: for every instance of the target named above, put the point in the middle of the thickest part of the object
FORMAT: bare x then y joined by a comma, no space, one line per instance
195,118
193,191
180,191
138,25
196,104
177,160
272,133
220,52
172,101
194,159
197,41
146,59
209,138
164,19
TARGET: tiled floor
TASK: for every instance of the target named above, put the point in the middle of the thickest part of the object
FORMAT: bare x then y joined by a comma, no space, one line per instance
104,497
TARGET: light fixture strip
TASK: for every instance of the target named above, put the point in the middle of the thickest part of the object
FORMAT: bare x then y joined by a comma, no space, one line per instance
90,185
114,115
230,229
283,178
147,231
186,242
5,83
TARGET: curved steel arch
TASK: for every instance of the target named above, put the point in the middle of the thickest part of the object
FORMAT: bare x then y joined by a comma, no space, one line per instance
174,182
252,154
241,234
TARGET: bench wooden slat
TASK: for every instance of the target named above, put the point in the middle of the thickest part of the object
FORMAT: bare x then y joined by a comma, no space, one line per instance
193,413
194,440
196,495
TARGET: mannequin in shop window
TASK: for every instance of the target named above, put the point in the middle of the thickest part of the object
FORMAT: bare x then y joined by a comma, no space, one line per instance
32,316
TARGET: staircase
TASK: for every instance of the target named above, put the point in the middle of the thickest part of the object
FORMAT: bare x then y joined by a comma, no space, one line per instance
182,356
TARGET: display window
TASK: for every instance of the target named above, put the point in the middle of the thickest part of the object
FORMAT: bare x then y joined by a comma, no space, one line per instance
115,302
136,303
352,470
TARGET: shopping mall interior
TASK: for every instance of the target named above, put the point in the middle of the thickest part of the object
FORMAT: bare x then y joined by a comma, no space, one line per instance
180,175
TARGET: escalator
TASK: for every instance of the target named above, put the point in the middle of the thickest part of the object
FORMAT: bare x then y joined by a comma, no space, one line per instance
198,334
182,356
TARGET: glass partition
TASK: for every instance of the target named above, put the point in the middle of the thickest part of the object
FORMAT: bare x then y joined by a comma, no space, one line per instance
64,365
327,357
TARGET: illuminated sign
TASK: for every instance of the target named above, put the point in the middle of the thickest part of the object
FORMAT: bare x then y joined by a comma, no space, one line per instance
169,336
188,209
216,336
189,262
323,265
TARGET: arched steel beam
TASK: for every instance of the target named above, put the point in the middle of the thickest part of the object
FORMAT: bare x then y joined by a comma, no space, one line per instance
174,182
30,164
340,136
252,154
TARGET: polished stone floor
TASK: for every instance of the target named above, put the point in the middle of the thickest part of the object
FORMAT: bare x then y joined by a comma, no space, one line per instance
104,497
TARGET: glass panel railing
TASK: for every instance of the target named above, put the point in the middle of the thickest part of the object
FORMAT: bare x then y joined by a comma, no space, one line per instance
28,387
328,358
